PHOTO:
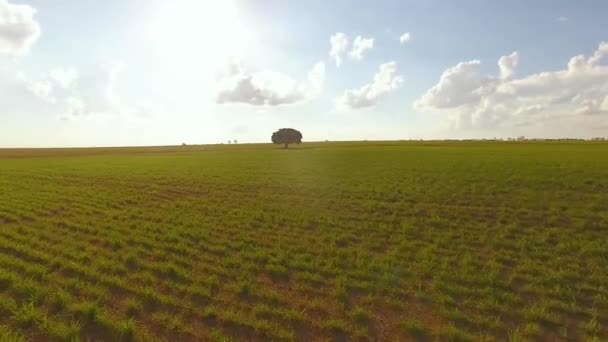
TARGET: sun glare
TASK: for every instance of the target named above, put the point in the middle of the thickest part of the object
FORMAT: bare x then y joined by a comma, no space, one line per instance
209,31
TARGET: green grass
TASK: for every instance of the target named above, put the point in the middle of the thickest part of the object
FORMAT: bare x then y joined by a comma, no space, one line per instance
360,240
414,327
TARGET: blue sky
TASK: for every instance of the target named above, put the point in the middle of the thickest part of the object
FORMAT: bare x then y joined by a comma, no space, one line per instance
153,72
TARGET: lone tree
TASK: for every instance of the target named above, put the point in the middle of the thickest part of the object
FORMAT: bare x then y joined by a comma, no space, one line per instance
286,136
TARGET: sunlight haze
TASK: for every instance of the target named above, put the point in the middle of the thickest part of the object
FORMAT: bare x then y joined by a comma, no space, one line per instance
81,73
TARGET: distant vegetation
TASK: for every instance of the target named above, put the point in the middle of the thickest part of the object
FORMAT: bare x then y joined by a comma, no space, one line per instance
387,241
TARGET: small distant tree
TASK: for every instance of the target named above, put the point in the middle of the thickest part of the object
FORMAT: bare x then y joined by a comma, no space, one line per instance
235,141
286,136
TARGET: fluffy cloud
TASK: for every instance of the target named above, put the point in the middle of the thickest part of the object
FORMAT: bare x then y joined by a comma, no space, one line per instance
56,80
42,89
267,88
316,78
604,106
75,107
97,94
484,101
458,85
361,46
62,91
112,72
18,28
405,38
100,95
508,64
384,82
339,45
64,77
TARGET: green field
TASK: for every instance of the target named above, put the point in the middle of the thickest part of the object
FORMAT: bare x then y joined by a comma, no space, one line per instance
381,241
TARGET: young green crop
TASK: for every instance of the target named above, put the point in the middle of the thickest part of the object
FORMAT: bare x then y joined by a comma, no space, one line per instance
352,240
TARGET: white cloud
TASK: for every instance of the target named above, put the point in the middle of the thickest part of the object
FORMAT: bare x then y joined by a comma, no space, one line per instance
604,106
562,19
508,64
102,96
64,77
75,107
457,86
405,38
361,46
20,76
339,45
97,95
599,54
384,82
485,101
42,89
531,109
112,73
18,28
267,88
64,93
316,78
59,80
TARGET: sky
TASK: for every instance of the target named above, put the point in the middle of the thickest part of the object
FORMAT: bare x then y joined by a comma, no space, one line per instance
159,72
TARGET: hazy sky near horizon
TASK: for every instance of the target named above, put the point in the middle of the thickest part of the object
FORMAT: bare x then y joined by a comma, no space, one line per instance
156,72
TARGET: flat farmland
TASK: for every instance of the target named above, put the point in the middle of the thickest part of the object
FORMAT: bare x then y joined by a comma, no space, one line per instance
329,241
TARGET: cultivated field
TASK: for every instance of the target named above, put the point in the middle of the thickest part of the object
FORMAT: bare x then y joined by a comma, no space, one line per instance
331,241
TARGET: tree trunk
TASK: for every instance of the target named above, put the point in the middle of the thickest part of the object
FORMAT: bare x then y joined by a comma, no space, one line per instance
286,145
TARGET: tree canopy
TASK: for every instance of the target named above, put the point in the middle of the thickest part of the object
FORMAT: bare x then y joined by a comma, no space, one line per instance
286,136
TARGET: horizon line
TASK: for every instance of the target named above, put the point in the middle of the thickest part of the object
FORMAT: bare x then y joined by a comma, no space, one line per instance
494,139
